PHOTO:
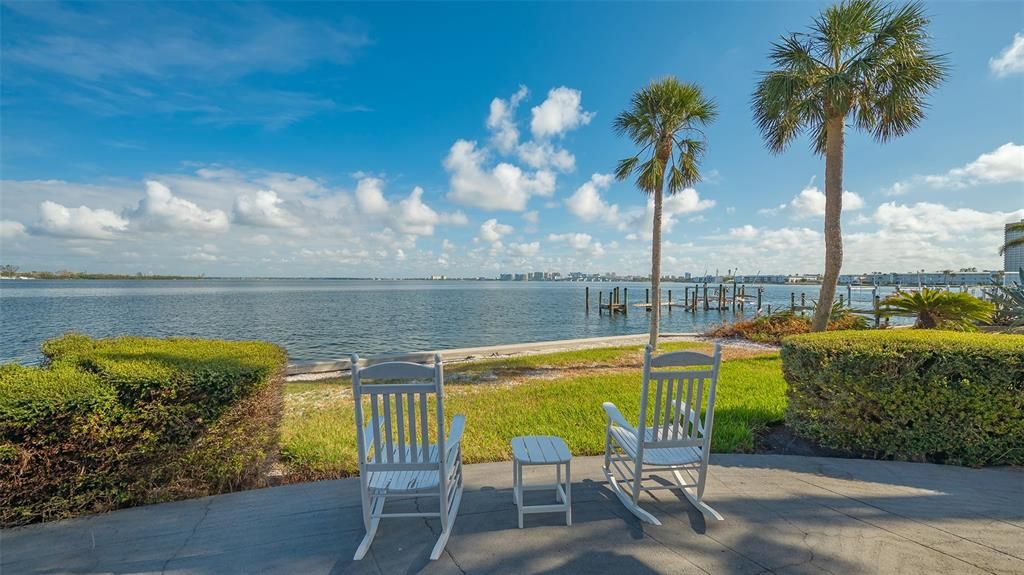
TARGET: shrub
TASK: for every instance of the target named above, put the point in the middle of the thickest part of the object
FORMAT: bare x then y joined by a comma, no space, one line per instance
939,396
125,421
772,328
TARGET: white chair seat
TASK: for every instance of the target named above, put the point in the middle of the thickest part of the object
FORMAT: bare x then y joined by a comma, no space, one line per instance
411,480
654,455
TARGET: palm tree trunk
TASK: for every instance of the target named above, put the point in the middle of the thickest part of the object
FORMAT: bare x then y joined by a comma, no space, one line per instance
833,213
656,269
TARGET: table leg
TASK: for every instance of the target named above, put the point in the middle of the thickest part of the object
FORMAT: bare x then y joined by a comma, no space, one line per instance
568,494
519,494
558,481
515,481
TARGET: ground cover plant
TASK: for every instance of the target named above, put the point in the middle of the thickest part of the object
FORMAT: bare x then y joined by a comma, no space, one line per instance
116,422
557,393
772,328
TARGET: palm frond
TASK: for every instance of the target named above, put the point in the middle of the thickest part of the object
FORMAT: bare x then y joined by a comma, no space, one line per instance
861,58
939,309
665,120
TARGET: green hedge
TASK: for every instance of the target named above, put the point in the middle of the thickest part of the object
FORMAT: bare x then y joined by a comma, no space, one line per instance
918,395
125,421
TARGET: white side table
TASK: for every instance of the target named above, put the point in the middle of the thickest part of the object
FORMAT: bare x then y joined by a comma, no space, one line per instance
542,450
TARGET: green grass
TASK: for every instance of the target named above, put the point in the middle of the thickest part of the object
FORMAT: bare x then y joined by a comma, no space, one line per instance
318,436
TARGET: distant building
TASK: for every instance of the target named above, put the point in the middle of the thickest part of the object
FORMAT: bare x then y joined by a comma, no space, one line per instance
1013,259
522,277
505,277
943,278
537,276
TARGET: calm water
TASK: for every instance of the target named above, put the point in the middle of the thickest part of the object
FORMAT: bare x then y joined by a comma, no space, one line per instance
324,319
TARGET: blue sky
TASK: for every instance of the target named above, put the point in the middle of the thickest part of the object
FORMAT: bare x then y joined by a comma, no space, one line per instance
465,139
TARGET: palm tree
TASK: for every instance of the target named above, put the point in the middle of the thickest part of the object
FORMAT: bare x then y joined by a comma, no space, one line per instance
937,309
1017,241
665,120
861,61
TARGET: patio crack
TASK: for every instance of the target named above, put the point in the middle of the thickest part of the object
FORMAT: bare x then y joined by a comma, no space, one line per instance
206,511
426,521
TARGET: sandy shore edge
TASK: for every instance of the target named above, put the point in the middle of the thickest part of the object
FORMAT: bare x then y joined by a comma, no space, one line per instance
314,370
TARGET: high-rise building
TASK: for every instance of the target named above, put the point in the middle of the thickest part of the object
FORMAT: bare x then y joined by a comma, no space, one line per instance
1013,259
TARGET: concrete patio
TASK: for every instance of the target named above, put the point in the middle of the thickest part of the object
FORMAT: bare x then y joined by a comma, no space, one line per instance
784,514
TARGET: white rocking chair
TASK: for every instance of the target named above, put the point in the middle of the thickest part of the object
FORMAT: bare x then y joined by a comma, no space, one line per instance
676,441
396,458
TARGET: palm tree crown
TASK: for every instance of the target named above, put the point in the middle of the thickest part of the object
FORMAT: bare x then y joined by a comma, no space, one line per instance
665,121
665,118
860,60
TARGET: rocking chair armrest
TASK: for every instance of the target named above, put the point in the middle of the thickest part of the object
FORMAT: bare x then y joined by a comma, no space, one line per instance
454,439
614,416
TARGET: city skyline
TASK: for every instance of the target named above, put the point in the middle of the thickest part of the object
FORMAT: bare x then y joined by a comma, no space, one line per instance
163,139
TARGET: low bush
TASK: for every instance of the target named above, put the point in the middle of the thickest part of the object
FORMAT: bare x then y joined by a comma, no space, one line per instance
116,422
772,328
918,395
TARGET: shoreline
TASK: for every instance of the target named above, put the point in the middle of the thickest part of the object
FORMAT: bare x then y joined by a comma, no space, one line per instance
316,370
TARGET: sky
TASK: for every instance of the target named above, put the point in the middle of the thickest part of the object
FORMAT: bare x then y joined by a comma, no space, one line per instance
407,140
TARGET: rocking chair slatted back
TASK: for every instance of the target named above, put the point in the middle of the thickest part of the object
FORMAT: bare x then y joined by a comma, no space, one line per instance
399,433
677,398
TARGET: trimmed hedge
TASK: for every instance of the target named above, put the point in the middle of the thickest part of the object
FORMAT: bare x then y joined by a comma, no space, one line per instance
126,421
918,395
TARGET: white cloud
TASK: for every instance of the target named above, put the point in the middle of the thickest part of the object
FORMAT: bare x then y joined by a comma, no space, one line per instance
200,255
344,256
897,189
501,121
1003,165
1010,60
939,221
640,223
586,203
10,229
505,187
264,209
370,196
545,155
560,112
162,210
531,216
685,202
810,202
412,216
491,231
745,232
81,222
525,250
905,237
477,178
258,240
584,244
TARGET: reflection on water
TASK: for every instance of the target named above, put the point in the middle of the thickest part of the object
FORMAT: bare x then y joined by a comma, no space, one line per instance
321,319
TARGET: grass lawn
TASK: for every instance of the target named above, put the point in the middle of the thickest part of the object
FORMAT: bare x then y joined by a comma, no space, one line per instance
556,393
